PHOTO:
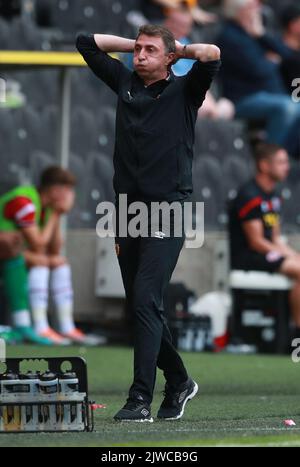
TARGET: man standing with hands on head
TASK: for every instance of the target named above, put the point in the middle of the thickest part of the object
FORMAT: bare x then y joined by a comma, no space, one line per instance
155,124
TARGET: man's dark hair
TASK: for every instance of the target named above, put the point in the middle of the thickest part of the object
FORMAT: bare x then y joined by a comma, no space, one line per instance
55,175
265,151
288,14
159,31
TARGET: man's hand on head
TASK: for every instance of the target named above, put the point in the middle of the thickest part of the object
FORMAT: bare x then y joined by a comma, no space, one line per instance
202,52
180,51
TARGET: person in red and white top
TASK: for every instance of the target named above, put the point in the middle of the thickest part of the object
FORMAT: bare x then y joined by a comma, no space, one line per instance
49,271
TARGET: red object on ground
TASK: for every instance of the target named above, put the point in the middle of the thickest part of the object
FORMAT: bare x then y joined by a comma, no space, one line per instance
97,406
220,342
289,423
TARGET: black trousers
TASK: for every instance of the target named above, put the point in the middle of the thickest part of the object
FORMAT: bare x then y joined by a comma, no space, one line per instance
147,265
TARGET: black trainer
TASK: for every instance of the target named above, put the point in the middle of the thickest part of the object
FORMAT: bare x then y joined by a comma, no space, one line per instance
173,405
134,411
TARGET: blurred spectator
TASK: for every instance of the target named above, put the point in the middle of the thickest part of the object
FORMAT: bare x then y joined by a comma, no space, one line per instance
290,22
156,10
216,109
251,72
180,23
255,230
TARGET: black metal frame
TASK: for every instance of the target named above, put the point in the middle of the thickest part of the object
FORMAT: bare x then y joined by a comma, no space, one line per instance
79,367
280,301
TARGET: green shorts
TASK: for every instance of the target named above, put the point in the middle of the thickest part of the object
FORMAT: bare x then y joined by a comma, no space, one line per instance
15,282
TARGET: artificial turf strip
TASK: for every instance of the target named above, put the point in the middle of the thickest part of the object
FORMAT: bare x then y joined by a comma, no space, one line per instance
243,400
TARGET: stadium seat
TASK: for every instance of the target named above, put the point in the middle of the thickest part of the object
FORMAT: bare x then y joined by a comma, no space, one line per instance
40,87
220,138
258,280
13,176
93,15
115,13
24,35
260,310
290,192
9,152
84,135
49,128
63,15
27,131
106,129
236,170
291,208
101,172
207,179
89,15
16,145
77,166
4,34
39,161
99,169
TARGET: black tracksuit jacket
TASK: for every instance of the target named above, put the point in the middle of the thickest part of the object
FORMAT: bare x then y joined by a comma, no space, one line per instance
155,126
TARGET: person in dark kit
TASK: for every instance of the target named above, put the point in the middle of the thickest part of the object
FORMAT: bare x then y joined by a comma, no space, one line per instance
290,67
255,233
155,122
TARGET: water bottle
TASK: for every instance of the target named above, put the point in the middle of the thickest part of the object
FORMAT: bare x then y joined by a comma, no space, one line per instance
1,407
1,419
199,343
71,414
10,393
186,339
30,394
48,387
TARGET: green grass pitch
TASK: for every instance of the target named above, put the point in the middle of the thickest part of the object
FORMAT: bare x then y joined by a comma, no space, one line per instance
242,400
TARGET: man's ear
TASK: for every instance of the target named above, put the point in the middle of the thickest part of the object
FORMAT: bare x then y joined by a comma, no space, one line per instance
171,59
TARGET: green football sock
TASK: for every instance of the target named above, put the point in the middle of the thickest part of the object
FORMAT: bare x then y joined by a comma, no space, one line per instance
15,282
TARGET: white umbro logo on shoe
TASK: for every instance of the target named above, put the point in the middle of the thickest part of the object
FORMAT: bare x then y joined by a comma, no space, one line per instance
145,412
182,396
159,235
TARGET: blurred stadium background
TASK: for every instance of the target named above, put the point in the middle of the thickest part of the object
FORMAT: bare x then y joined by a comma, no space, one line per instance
29,129
30,124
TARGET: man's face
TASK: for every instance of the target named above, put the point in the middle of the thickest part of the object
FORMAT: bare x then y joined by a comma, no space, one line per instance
150,57
278,166
61,197
249,8
180,23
